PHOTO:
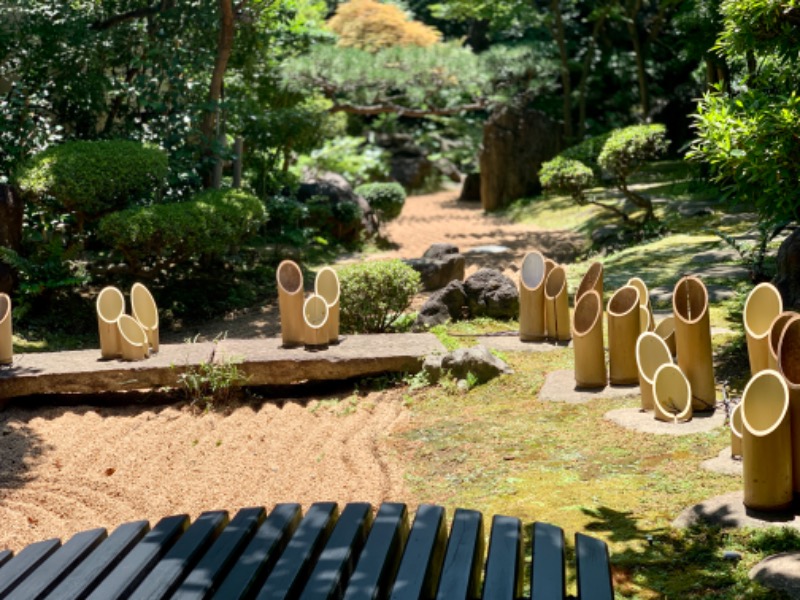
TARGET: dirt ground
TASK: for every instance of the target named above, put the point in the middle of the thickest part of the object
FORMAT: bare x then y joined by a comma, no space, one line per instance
65,469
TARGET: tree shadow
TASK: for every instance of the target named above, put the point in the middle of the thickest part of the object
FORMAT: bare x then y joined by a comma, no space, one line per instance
20,446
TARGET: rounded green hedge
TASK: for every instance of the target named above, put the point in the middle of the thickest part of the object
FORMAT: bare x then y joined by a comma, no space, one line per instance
386,199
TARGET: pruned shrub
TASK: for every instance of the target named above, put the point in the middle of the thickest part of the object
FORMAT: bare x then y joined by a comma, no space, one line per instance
94,178
566,176
208,226
386,199
588,151
374,294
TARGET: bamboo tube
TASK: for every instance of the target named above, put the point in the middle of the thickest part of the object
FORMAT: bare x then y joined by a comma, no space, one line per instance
6,332
134,344
591,280
789,364
762,306
623,331
693,340
110,307
644,300
531,297
315,316
672,394
290,303
549,265
644,320
766,443
775,330
556,305
326,285
651,353
144,310
666,330
587,341
736,430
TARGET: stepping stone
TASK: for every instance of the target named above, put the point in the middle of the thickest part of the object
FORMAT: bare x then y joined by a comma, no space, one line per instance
559,386
737,272
779,572
489,249
724,463
512,343
728,511
643,421
710,257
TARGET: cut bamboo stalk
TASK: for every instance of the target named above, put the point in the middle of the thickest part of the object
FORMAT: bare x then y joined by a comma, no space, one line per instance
134,344
762,306
591,280
672,395
556,305
6,331
110,307
789,364
587,341
651,353
666,330
326,285
623,331
315,316
775,331
644,319
531,297
693,340
290,303
736,430
766,443
144,310
644,300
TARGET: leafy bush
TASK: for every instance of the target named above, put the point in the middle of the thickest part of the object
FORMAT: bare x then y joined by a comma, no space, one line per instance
94,178
348,156
566,175
210,225
386,199
588,151
374,294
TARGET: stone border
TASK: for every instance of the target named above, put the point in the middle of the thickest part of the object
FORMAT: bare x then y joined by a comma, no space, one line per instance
638,420
724,463
728,511
559,386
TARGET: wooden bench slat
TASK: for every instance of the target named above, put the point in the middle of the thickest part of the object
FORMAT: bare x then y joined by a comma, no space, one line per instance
137,563
503,579
381,555
5,556
290,572
99,563
421,564
338,560
261,553
463,559
165,577
548,578
58,565
29,558
214,565
594,569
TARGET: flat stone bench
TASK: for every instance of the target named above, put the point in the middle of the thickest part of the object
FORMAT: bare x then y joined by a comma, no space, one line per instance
262,362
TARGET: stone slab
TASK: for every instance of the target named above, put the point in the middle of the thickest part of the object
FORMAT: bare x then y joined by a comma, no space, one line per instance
559,386
512,343
644,422
724,463
728,511
779,572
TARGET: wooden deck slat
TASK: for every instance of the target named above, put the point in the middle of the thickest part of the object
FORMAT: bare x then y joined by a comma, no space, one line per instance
548,578
594,571
421,565
503,580
29,558
461,573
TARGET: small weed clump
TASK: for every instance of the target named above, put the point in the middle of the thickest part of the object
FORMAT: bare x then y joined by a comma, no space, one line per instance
211,385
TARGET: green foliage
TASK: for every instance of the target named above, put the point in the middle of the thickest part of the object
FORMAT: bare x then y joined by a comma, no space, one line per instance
567,176
386,199
93,178
627,150
588,152
210,225
211,384
374,294
348,156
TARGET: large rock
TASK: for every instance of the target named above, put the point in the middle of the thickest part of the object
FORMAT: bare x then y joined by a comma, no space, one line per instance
788,278
336,190
471,189
478,361
491,294
440,265
446,304
516,141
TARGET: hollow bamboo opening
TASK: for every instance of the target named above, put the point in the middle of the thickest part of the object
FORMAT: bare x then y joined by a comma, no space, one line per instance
144,310
326,285
5,308
762,306
641,287
533,270
775,331
651,353
672,394
736,430
624,301
290,277
6,337
290,303
557,304
690,300
644,319
531,297
587,313
693,340
590,363
591,280
110,304
666,331
315,314
789,364
623,331
134,343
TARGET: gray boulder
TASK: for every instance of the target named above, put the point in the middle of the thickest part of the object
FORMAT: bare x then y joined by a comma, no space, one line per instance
440,250
440,265
336,190
491,294
444,305
471,189
477,360
788,278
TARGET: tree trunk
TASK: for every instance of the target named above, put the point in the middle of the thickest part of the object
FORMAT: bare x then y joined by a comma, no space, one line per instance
585,70
11,208
558,35
644,98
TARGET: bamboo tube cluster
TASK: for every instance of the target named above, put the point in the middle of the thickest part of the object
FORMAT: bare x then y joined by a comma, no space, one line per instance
762,306
312,321
6,331
587,341
651,354
125,336
623,332
672,394
543,300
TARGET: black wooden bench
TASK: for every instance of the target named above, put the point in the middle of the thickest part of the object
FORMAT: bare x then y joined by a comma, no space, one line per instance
325,553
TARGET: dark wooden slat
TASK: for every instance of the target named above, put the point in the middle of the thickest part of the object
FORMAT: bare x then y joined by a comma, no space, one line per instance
548,580
337,561
58,565
99,563
594,569
5,556
141,559
166,576
421,564
503,579
261,553
381,555
461,573
20,566
221,556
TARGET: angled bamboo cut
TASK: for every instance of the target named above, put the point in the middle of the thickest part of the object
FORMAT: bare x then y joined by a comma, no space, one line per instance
587,341
651,353
531,297
591,280
672,395
762,306
775,331
144,310
110,307
6,331
666,330
789,364
623,331
326,285
556,305
290,303
134,344
693,340
766,443
644,301
315,316
736,431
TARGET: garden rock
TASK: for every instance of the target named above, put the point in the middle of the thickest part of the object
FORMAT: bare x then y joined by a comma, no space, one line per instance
788,278
432,367
477,360
445,304
337,190
471,190
440,250
440,265
491,294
